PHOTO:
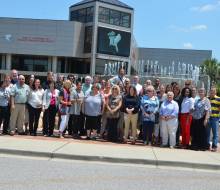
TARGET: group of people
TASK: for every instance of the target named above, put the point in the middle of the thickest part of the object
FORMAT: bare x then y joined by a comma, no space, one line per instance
118,109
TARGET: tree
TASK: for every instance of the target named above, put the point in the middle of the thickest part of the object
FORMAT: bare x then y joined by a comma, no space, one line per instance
211,67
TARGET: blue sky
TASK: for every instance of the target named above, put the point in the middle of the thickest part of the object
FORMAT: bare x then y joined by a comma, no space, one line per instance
188,24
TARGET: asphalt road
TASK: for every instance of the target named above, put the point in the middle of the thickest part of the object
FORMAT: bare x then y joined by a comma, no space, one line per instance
27,173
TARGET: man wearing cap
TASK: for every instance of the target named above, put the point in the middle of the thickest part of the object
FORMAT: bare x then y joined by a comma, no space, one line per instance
19,96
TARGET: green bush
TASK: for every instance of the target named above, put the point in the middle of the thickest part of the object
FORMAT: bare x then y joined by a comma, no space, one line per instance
218,89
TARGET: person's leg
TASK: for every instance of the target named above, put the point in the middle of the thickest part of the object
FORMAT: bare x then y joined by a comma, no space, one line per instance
82,125
99,124
45,122
63,123
134,119
1,115
156,130
26,119
147,131
144,127
208,131
215,128
193,134
20,120
73,121
70,125
202,135
188,126
164,129
150,134
172,128
6,120
183,119
120,126
115,130
52,116
110,126
13,119
127,124
103,127
88,126
95,126
178,133
32,114
36,119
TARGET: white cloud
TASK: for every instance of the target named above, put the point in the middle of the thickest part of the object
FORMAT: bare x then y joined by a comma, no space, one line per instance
206,7
188,45
199,27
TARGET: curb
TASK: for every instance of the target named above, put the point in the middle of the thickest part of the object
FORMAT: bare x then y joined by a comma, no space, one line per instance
156,163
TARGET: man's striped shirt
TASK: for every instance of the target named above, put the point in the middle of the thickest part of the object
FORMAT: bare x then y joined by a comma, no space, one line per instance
215,106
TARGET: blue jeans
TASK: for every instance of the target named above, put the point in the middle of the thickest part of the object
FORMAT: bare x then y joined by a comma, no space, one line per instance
148,127
214,125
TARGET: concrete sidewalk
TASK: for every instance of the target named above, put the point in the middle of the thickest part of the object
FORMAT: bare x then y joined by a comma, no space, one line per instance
107,152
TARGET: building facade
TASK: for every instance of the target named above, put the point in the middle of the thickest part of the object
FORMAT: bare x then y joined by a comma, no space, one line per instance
97,40
98,31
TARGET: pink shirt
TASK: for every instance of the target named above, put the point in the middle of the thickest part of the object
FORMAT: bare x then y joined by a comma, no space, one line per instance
53,99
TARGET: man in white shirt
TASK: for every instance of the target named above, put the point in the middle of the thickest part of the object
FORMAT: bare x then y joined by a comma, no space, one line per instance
120,78
137,85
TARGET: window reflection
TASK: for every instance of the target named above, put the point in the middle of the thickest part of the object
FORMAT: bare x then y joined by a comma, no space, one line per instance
114,17
82,15
30,63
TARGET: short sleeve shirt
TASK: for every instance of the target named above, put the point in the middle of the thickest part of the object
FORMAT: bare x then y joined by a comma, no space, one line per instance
75,109
20,93
201,107
4,97
215,106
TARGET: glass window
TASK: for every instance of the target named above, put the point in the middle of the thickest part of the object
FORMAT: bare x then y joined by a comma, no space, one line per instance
89,14
104,15
61,65
126,20
74,16
115,17
79,66
82,15
1,62
88,39
30,63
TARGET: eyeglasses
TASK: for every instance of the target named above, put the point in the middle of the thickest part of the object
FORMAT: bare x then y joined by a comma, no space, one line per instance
21,79
114,89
